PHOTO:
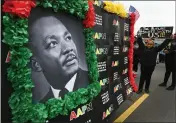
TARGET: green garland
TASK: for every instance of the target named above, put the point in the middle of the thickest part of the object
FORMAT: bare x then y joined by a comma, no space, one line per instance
16,36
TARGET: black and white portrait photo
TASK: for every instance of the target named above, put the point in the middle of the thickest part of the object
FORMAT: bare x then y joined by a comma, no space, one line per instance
58,62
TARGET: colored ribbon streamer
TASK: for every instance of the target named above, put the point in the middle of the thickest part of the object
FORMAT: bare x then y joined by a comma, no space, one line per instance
130,53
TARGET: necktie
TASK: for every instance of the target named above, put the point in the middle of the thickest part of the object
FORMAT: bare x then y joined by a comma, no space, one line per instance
63,92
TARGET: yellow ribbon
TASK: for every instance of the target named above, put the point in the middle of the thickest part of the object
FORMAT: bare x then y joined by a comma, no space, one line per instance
116,8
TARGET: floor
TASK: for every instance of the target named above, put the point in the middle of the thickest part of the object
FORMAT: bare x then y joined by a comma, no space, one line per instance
159,106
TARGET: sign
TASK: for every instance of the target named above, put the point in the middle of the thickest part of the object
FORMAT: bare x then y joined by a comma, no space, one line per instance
112,43
155,32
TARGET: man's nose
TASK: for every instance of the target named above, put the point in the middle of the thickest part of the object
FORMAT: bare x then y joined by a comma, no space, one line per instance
67,50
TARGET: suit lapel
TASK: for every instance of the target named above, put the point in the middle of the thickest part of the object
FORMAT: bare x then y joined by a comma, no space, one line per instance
48,96
81,80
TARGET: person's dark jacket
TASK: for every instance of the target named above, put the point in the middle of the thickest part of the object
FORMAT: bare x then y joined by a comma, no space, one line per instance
169,55
149,55
173,54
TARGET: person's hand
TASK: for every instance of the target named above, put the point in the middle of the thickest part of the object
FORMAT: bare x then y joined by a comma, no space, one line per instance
166,51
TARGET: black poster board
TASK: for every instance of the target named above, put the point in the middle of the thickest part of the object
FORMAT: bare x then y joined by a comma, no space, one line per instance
112,43
155,32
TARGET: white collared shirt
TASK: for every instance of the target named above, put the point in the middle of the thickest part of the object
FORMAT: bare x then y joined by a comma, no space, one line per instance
69,86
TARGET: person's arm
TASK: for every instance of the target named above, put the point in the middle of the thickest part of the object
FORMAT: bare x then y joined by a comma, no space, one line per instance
140,43
163,45
167,49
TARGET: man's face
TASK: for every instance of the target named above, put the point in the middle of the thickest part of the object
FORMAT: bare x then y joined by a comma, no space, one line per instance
54,48
150,43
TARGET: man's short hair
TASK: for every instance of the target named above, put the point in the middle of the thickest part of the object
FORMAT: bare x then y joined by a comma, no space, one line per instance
37,13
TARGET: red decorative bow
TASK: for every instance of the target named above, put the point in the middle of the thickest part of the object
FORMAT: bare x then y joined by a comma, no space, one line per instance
20,8
90,16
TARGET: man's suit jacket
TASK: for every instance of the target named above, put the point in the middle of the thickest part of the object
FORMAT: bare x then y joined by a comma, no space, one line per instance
80,82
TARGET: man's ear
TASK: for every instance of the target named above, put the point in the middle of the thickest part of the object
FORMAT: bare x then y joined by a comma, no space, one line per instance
35,65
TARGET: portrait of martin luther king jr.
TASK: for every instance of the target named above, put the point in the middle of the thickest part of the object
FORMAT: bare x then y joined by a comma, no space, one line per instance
55,61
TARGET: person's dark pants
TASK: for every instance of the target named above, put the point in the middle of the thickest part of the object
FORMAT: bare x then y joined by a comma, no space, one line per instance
173,78
146,74
174,71
169,68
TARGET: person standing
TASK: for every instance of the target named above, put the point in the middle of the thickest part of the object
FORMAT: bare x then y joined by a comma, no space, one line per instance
148,61
170,63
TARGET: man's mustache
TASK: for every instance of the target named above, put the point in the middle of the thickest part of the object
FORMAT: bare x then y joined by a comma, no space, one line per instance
69,57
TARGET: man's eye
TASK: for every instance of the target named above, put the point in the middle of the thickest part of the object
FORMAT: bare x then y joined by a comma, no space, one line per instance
68,38
52,45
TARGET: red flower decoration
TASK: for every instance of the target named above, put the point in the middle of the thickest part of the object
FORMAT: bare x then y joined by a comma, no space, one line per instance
89,21
130,53
20,8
